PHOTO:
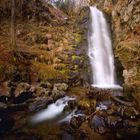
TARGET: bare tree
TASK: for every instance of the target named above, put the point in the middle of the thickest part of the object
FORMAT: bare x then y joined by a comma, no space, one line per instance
13,36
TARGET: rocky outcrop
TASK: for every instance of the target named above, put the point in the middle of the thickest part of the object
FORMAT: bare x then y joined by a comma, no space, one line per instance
125,20
126,31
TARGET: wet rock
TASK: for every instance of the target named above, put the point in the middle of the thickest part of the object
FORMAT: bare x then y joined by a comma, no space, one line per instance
56,94
99,124
40,103
70,107
76,121
72,104
99,94
102,113
67,109
61,86
107,103
113,120
113,109
24,96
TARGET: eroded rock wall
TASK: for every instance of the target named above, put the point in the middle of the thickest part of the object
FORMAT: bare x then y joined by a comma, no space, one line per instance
126,28
126,36
125,15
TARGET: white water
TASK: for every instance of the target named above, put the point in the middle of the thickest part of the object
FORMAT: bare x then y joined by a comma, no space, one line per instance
53,111
100,51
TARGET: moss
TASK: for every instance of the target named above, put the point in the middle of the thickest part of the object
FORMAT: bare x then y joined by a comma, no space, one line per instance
64,72
84,104
75,57
48,71
78,38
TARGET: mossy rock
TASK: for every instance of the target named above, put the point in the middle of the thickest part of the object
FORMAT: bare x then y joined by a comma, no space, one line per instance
61,86
75,57
84,104
78,38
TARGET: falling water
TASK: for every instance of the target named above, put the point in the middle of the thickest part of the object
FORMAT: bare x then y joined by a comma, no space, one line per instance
100,51
53,111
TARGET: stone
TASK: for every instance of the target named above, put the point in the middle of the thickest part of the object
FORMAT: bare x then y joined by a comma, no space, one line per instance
98,123
113,120
22,87
76,121
24,96
46,85
40,103
72,104
40,91
56,94
84,104
60,86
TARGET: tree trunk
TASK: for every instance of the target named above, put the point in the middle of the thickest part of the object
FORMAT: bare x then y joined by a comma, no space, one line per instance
13,36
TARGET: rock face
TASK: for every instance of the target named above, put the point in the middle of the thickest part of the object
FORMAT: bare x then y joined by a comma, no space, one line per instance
126,31
125,20
125,17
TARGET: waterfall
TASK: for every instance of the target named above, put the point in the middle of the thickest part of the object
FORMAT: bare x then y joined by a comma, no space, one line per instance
100,51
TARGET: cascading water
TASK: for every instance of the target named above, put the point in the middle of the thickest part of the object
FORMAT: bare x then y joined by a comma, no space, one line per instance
55,112
100,51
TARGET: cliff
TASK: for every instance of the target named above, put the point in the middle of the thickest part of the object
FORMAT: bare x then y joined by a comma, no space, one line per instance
126,35
125,22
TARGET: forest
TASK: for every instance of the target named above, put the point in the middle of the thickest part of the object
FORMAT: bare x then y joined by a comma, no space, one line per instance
69,70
